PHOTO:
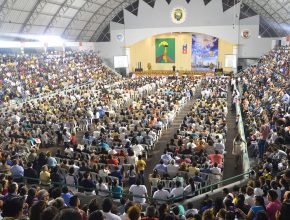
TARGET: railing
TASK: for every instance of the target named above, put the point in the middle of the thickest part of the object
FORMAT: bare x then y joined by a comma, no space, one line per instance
245,157
203,189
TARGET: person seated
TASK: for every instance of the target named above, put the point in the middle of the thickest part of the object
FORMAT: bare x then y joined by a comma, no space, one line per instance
219,146
216,173
216,158
139,192
161,196
118,174
87,183
183,159
117,190
192,169
161,167
166,157
44,175
154,178
177,192
112,160
172,169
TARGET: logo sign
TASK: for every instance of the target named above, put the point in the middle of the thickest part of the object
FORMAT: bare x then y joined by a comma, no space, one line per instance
120,37
246,34
178,15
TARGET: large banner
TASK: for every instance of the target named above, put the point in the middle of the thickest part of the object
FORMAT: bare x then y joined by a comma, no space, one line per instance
165,50
204,55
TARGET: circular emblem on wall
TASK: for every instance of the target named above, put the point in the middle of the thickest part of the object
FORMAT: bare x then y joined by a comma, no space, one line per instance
120,37
246,34
178,15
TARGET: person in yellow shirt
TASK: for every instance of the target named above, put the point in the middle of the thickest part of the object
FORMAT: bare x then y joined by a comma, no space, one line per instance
44,175
141,165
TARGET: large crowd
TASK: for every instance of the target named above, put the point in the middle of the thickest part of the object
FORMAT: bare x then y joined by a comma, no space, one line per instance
23,76
104,132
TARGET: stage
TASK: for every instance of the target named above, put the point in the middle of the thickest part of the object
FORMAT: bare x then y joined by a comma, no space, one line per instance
174,73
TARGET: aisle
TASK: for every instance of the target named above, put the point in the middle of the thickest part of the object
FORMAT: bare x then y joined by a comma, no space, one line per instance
166,136
229,160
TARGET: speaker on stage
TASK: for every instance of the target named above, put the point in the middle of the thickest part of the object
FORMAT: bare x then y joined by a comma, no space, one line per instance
173,68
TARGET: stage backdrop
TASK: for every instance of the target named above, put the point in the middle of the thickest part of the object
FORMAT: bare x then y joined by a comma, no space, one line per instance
204,56
145,52
165,50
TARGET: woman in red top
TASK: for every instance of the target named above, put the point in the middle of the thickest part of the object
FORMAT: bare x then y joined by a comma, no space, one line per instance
274,205
74,139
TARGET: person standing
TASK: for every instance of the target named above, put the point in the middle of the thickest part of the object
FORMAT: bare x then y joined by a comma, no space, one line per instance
141,165
265,132
238,149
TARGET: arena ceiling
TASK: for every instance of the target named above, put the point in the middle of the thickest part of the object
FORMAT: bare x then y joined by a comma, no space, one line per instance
88,20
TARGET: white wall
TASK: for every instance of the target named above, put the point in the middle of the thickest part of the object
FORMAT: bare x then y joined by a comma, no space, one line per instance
253,47
209,19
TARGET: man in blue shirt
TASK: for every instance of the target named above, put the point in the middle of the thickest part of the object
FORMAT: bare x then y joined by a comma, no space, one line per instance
166,156
16,170
103,145
117,173
51,161
161,167
66,195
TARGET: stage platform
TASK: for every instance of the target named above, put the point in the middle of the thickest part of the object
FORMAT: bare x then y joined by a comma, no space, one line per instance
172,73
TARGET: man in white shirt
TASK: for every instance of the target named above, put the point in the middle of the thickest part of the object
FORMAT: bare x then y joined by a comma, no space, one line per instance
177,192
107,206
139,192
161,195
219,146
172,169
216,173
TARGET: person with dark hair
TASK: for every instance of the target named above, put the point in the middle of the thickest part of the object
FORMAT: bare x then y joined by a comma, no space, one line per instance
161,195
284,212
177,192
66,195
116,190
107,207
241,203
189,190
29,172
36,209
96,215
218,205
13,208
71,179
48,213
12,191
75,203
274,204
87,183
190,210
163,211
124,215
132,175
118,174
31,197
139,192
150,213
102,188
93,206
216,157
257,207
68,214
